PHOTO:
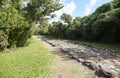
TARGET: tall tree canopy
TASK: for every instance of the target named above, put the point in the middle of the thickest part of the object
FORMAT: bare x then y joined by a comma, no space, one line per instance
67,18
116,3
103,25
17,19
37,9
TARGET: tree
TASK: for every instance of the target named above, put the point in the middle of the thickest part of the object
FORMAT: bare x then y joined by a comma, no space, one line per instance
16,23
73,32
103,25
66,18
58,29
43,27
14,29
37,9
116,3
3,3
106,27
77,21
104,8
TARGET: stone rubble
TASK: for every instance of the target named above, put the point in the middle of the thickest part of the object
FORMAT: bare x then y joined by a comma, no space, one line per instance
103,61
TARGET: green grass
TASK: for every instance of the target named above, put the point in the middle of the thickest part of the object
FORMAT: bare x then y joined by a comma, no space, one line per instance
32,61
102,45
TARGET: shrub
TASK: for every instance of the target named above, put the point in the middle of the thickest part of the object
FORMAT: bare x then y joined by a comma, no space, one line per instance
14,30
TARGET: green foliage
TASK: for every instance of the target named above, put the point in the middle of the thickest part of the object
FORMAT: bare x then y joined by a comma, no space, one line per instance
4,30
73,32
106,27
66,18
42,29
3,40
14,29
17,22
104,8
101,26
19,35
36,9
3,2
58,29
116,3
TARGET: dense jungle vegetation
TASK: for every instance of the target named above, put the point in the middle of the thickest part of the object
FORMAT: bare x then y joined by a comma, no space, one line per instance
18,18
103,25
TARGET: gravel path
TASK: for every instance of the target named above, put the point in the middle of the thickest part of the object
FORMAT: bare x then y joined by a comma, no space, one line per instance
104,62
65,67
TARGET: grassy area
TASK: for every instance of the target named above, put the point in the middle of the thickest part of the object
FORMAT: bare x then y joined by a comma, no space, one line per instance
102,45
32,61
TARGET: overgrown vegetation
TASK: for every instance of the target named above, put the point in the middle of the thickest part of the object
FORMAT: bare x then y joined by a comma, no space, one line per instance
101,26
32,61
14,30
17,20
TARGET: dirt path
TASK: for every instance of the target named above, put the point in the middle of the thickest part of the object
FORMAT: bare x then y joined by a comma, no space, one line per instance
64,67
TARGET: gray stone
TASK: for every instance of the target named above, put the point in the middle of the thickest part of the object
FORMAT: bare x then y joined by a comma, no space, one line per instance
81,60
75,57
91,64
109,73
65,49
108,69
82,52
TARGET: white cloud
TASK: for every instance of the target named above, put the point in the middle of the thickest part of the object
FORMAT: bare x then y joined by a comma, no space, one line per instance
89,6
68,8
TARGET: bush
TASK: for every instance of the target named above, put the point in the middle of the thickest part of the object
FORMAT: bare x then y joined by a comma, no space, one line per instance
107,27
58,30
14,30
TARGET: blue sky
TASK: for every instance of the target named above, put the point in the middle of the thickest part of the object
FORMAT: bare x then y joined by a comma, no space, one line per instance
83,5
79,7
